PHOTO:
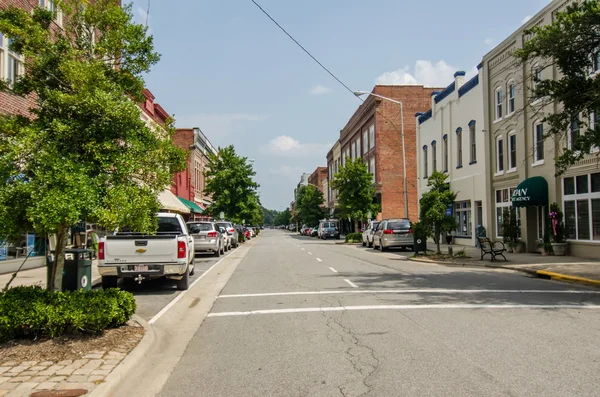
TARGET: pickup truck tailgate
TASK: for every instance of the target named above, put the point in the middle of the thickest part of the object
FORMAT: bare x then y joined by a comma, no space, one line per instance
142,249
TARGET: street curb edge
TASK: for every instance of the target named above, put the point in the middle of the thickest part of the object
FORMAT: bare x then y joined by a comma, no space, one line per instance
138,354
565,277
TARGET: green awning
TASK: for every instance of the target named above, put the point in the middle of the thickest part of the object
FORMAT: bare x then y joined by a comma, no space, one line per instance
531,192
195,208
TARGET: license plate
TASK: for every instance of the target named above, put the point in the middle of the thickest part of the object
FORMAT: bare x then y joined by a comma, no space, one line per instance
140,268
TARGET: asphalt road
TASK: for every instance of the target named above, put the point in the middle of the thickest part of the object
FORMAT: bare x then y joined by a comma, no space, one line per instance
303,317
152,296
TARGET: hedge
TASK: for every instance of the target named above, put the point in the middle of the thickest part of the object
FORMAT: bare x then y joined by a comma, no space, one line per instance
33,312
354,237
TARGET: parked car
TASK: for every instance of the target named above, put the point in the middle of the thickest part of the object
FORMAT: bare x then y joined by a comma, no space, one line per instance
328,228
231,233
168,253
247,233
207,237
368,233
314,232
393,233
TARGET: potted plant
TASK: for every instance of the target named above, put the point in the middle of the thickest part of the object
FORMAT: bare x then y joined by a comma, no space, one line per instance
519,246
559,242
510,230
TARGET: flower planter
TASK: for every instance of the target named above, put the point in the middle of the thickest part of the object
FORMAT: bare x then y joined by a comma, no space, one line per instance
519,248
560,249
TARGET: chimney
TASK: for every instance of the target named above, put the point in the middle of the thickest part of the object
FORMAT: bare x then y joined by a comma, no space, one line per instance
459,79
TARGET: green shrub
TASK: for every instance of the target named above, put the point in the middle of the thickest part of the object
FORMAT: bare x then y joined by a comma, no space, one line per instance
354,237
33,312
241,238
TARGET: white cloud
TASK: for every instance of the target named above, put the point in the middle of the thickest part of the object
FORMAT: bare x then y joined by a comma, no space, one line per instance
284,145
526,19
488,41
319,90
220,127
425,72
287,171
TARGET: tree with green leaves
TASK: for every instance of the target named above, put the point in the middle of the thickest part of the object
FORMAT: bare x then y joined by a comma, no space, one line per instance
572,45
283,218
230,183
85,153
354,183
309,203
434,205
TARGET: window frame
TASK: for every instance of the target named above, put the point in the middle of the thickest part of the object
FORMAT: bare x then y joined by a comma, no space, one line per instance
473,141
459,150
512,167
445,152
536,78
537,144
499,142
510,98
458,210
425,162
433,156
498,103
371,136
365,141
570,142
373,169
576,198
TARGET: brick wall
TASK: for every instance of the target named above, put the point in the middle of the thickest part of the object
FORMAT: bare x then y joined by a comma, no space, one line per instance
388,148
182,181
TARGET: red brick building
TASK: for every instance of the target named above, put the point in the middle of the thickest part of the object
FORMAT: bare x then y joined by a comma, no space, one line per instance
374,135
189,183
317,177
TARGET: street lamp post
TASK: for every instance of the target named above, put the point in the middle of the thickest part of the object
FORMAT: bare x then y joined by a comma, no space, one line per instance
358,94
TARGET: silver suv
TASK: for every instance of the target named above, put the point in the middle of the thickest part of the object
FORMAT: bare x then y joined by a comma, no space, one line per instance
207,237
393,233
232,234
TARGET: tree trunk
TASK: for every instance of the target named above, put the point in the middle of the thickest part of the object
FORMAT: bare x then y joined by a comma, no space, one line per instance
55,282
437,239
356,226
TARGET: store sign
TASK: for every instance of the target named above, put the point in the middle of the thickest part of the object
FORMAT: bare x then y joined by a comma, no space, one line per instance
3,248
521,195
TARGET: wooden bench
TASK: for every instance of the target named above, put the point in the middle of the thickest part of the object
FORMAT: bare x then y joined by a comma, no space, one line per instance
491,248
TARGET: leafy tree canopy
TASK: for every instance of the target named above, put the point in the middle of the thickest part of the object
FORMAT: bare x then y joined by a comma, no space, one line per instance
83,153
354,183
434,204
309,204
231,185
572,44
283,218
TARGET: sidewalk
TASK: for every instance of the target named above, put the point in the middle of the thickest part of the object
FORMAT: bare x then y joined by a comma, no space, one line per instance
566,268
37,276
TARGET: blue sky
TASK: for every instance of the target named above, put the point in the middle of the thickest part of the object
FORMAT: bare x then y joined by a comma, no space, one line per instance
229,70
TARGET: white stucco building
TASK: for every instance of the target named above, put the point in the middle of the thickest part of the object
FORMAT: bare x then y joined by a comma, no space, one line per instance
451,139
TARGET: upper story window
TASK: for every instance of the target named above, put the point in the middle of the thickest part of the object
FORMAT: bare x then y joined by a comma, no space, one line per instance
459,161
499,98
574,133
512,152
372,168
15,65
536,77
445,153
473,138
425,170
434,156
595,62
511,97
51,6
371,136
538,143
499,155
365,141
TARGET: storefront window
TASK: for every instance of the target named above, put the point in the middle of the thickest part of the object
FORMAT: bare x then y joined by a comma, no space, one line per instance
582,207
462,211
502,202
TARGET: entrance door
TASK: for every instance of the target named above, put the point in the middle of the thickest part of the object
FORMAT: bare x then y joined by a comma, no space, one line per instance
478,215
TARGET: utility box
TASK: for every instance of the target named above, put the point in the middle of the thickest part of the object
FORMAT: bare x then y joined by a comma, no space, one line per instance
77,273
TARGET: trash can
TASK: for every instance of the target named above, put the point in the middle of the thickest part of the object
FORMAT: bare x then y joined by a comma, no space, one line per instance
420,241
77,273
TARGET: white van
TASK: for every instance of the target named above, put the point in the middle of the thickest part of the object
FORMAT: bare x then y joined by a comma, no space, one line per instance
329,228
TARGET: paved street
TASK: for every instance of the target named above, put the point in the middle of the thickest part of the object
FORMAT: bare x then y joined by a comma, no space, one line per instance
304,317
152,296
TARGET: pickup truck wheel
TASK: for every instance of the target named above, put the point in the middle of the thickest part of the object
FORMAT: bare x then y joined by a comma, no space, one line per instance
109,282
193,265
184,283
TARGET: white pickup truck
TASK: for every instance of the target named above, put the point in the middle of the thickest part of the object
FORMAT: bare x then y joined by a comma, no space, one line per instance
168,253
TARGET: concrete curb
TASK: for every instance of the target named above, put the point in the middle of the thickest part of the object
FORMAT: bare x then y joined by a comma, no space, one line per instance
137,355
445,263
565,277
